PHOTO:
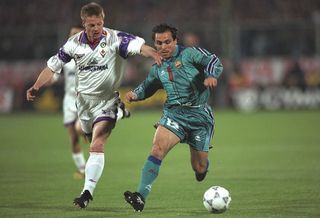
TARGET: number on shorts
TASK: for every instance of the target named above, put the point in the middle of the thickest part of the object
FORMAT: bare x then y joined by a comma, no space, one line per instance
172,124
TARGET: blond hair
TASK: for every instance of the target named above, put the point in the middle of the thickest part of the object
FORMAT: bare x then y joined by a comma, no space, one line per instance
91,9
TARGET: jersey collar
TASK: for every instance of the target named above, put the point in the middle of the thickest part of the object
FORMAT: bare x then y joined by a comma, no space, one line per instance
175,53
93,45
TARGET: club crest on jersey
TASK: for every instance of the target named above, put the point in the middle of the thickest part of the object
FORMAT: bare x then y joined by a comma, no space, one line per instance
78,56
103,52
103,44
178,64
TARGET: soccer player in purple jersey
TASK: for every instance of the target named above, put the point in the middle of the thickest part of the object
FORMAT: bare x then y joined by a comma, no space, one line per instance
100,54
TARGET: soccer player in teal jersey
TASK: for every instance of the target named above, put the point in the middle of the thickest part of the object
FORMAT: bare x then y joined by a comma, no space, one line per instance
187,75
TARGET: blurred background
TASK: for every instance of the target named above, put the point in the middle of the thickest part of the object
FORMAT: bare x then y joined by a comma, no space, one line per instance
270,48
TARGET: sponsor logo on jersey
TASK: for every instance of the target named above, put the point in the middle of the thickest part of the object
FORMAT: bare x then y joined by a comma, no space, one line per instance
78,56
93,68
178,64
93,61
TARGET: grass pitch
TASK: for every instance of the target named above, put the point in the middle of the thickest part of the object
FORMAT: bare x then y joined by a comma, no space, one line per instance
269,161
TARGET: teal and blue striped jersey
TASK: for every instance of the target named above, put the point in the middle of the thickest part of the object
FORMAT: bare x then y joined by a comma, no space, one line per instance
182,77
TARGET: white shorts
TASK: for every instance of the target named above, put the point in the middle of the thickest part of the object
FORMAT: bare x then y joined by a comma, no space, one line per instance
69,109
92,110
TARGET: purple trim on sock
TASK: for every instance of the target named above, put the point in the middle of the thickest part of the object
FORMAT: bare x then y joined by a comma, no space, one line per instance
154,160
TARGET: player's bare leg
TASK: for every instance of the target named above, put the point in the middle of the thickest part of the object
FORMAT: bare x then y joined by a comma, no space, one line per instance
199,163
95,163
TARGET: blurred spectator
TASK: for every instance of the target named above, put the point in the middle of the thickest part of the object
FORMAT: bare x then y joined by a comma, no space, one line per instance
190,39
312,78
243,93
238,79
294,77
267,29
218,96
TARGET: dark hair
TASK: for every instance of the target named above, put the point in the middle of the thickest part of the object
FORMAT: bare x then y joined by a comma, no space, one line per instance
91,9
161,28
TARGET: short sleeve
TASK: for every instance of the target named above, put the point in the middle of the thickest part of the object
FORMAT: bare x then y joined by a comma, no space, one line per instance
64,55
129,44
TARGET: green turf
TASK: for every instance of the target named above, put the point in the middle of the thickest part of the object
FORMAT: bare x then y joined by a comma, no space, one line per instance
270,162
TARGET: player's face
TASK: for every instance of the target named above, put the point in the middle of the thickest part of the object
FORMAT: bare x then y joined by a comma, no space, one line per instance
93,26
165,44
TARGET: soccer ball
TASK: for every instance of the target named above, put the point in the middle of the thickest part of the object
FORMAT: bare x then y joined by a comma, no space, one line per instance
216,199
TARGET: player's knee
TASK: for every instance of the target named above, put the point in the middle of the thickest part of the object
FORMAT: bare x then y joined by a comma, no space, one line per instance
97,145
158,151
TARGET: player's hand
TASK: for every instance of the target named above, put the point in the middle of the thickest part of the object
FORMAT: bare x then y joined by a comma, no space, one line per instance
157,58
210,82
31,93
148,51
131,96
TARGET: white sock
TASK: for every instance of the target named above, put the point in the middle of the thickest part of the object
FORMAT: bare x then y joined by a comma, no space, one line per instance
79,161
94,168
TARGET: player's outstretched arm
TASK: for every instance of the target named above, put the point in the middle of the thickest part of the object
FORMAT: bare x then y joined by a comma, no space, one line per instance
43,78
148,51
